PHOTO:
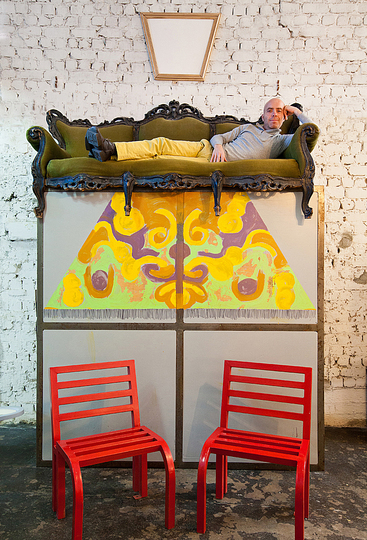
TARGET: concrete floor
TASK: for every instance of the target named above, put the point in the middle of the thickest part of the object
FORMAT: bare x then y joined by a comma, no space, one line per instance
258,505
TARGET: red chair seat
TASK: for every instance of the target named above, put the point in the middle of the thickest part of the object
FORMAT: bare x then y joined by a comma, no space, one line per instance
258,446
111,446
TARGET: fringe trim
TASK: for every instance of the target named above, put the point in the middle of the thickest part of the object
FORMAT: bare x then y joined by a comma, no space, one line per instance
236,314
110,314
170,314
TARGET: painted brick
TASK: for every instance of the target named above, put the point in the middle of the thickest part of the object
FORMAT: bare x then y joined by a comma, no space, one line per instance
21,230
337,382
316,50
358,170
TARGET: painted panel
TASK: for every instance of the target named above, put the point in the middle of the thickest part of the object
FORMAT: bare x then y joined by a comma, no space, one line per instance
244,269
154,353
123,267
205,353
172,252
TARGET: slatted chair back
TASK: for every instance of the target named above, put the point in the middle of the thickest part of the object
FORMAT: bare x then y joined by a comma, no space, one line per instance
252,381
76,395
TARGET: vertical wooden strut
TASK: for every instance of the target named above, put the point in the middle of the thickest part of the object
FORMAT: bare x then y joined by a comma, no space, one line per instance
128,182
217,184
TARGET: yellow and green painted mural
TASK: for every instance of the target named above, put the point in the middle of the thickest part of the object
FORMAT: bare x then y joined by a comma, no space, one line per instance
172,252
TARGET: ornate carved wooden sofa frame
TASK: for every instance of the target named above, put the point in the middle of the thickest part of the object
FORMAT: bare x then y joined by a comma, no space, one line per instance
64,165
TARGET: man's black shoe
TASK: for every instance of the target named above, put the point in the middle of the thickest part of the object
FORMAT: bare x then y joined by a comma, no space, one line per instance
99,147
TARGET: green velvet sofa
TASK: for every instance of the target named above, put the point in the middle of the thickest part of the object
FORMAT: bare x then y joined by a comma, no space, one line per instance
62,162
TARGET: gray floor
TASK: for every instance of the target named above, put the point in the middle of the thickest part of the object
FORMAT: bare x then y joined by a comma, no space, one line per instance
258,505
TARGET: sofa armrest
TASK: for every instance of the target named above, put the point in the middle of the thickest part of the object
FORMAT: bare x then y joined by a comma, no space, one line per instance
45,146
47,149
301,146
302,143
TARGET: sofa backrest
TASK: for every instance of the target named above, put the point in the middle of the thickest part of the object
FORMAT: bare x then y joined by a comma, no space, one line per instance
184,129
174,121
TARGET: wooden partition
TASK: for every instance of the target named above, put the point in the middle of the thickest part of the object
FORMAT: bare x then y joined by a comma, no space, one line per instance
180,290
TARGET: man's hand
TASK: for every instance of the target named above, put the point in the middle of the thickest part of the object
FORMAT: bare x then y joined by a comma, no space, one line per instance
218,153
288,109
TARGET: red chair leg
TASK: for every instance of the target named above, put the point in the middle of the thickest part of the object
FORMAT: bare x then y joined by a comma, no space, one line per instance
170,496
221,476
59,486
144,476
201,490
299,513
54,491
136,473
307,487
140,475
78,501
225,473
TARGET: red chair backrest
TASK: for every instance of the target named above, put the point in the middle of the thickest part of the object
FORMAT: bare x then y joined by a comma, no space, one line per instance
117,383
252,381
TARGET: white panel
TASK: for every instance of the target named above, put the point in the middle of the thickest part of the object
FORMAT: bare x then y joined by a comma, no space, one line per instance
205,353
180,45
154,353
295,235
69,219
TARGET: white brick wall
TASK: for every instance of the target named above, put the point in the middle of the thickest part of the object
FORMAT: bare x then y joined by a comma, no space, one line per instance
89,60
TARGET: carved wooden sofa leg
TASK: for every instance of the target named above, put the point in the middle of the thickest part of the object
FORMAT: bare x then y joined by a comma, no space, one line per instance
217,184
37,136
128,181
307,189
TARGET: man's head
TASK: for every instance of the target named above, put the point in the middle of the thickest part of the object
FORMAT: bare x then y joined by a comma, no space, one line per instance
274,114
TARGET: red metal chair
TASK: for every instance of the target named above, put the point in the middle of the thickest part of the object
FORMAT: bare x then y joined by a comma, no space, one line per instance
76,396
245,384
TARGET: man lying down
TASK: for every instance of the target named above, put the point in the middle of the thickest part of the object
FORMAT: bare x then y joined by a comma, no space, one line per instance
247,141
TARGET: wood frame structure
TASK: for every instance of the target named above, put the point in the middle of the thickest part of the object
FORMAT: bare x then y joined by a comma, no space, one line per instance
45,145
180,326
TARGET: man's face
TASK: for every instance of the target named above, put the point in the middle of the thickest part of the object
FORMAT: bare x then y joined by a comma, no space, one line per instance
273,115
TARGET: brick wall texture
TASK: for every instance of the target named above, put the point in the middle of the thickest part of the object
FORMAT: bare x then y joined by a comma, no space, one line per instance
88,59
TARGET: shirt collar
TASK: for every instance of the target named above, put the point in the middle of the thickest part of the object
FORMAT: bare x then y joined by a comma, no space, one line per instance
273,130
